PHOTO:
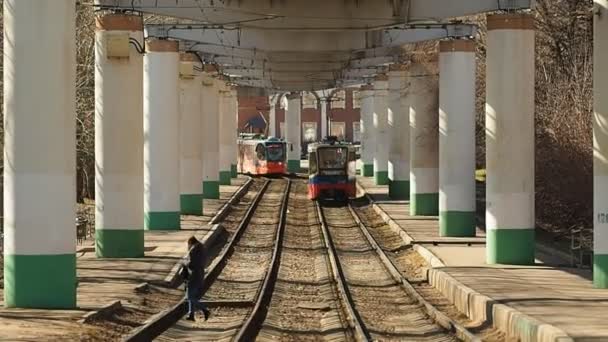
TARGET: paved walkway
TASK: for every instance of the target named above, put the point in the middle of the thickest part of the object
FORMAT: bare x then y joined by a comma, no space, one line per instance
103,281
535,303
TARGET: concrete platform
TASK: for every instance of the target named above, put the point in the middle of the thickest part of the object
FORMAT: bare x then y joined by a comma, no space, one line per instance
418,229
544,302
103,281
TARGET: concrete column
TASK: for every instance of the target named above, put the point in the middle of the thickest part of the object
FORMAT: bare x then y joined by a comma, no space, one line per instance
399,134
381,130
457,138
323,118
161,132
234,102
293,131
272,117
191,146
225,133
510,139
39,154
367,131
119,139
211,137
600,146
424,144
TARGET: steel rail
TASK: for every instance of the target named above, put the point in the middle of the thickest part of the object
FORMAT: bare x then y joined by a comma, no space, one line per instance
167,318
252,325
437,316
354,319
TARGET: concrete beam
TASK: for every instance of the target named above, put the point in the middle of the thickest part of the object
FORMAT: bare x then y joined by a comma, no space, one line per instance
236,62
315,14
308,41
372,61
285,85
331,74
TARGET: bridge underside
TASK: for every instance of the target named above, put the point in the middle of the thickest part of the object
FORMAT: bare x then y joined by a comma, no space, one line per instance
307,44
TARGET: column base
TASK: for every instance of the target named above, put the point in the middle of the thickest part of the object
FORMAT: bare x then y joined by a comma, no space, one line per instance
119,243
211,189
367,170
40,281
293,166
399,190
600,271
424,204
233,172
510,246
191,204
381,177
168,220
457,223
224,177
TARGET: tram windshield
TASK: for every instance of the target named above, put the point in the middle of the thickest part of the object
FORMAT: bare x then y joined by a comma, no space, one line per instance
332,157
275,152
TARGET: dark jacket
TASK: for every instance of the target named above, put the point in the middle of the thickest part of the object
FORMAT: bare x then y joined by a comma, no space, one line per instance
196,266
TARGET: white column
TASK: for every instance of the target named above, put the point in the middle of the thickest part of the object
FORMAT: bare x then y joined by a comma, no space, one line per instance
191,146
39,154
510,139
293,131
234,101
161,132
225,133
367,131
381,143
323,118
119,139
211,137
424,140
457,138
600,145
272,116
399,134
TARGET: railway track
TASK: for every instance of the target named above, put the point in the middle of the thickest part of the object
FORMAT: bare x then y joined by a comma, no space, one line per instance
241,279
293,270
305,305
384,310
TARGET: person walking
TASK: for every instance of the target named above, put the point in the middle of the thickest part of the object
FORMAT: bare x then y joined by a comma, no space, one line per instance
193,272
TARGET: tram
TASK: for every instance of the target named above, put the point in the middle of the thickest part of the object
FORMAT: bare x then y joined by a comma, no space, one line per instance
258,155
331,170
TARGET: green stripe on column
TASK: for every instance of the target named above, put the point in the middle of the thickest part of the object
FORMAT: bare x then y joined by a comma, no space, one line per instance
40,281
399,190
368,170
168,220
224,177
211,189
600,271
119,243
510,246
191,204
233,172
293,166
381,177
424,204
457,223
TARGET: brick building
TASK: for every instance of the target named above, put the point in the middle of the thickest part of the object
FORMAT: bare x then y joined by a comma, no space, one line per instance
342,113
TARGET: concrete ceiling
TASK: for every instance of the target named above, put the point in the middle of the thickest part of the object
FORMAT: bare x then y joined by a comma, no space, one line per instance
293,45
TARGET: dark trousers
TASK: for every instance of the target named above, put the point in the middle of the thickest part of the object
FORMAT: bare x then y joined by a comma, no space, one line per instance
193,296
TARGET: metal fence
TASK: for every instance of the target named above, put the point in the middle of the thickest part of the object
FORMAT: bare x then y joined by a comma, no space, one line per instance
581,247
85,223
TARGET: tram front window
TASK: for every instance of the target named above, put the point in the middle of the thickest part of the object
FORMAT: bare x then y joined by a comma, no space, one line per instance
333,158
275,152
